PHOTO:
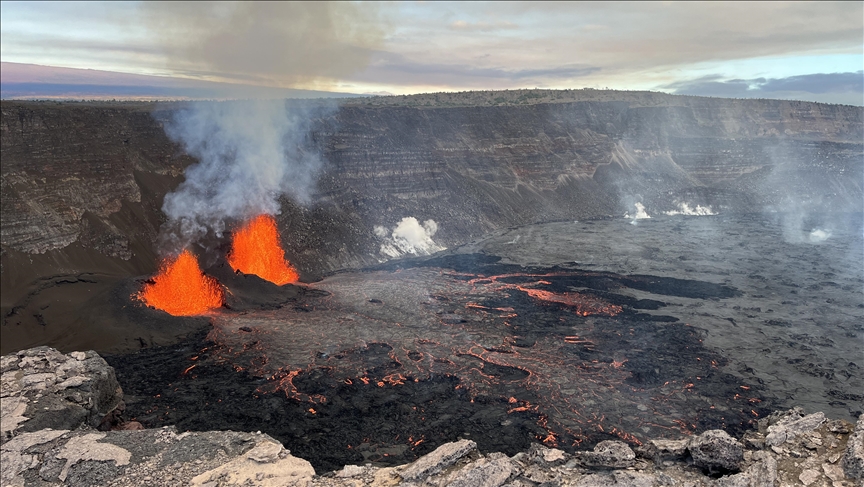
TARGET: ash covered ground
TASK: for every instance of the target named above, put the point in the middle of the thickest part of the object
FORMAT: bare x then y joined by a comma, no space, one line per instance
567,333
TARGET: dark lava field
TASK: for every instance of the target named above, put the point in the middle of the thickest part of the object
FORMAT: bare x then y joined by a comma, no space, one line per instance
567,333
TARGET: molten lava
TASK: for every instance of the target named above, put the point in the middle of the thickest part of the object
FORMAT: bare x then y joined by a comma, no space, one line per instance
256,250
181,289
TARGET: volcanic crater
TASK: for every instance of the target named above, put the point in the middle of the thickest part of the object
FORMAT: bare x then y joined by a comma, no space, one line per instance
552,318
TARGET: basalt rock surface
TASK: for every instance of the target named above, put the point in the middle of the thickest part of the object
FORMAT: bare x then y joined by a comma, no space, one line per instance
825,452
45,389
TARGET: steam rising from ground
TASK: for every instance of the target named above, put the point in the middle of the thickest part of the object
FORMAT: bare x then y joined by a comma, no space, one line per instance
409,237
819,235
640,214
686,209
250,154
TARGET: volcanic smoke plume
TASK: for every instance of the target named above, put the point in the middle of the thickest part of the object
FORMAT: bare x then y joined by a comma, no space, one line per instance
250,154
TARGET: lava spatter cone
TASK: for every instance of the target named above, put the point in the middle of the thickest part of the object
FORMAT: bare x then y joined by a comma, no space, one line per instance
256,249
181,289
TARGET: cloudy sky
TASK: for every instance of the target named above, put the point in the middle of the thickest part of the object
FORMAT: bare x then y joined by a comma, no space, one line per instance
797,50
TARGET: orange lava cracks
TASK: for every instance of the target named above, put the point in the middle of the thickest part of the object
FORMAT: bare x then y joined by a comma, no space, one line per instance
256,250
181,289
582,305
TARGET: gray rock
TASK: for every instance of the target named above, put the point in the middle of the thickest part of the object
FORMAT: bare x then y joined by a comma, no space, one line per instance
620,478
541,455
483,473
853,459
716,451
43,388
132,458
664,450
89,448
791,426
267,464
432,463
763,473
737,480
609,454
17,459
349,471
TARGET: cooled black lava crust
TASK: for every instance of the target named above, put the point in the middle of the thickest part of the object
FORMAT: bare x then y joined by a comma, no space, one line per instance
363,419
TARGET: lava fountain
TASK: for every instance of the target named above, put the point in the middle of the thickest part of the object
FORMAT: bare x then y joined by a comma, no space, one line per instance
256,250
181,289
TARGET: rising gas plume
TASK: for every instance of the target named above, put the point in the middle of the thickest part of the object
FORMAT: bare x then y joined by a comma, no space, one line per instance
409,237
250,154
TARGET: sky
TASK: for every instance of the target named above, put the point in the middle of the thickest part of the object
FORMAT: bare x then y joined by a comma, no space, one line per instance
795,50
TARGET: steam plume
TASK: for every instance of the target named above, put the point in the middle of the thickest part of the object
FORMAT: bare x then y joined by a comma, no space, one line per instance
251,153
684,208
409,237
640,214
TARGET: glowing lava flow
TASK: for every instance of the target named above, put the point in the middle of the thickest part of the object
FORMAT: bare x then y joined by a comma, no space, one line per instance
256,250
582,305
181,289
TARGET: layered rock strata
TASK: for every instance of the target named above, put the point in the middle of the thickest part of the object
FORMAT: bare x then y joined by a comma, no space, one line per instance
82,184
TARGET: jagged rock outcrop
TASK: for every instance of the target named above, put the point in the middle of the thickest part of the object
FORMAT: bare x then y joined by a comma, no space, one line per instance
716,451
853,459
609,454
826,452
42,388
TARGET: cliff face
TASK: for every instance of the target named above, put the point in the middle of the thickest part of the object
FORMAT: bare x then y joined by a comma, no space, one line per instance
82,184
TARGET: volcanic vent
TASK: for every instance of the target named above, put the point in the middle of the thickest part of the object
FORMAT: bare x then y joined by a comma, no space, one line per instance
256,249
180,289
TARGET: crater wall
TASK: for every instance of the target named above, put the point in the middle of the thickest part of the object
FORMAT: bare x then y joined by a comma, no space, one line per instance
83,183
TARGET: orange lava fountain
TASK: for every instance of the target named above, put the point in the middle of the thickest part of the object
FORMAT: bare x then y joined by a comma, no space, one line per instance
256,250
181,289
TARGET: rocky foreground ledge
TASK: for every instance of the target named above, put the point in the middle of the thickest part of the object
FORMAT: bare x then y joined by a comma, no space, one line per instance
62,425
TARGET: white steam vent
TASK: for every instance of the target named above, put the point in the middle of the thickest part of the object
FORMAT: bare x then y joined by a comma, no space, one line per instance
819,235
686,209
409,237
640,214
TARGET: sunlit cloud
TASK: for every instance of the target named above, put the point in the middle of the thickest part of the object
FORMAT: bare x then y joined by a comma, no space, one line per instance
453,46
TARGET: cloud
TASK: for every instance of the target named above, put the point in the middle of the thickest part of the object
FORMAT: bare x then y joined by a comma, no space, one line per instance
475,45
401,70
35,81
638,47
482,26
817,83
828,87
275,43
